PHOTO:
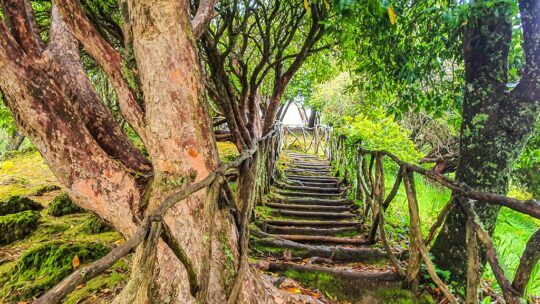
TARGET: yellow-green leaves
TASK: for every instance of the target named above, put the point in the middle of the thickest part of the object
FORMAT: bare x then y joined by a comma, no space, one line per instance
380,133
391,14
307,6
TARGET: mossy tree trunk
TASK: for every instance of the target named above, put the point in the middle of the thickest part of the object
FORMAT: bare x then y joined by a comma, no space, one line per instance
496,122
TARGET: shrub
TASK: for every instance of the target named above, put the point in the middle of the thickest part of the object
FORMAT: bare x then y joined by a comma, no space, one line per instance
16,204
45,265
380,134
62,205
17,226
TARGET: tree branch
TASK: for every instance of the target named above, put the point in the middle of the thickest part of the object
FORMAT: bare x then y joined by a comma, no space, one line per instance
63,62
20,20
107,57
205,13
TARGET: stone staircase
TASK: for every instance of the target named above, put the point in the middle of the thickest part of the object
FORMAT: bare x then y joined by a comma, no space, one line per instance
312,229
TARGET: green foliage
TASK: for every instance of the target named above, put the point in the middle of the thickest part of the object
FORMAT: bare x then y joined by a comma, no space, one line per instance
45,265
528,165
17,204
381,134
18,225
62,205
335,99
511,234
413,63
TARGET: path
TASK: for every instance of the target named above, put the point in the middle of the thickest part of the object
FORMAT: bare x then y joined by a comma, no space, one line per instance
313,233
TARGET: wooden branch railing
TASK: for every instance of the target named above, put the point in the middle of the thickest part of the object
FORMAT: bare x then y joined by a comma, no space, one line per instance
306,139
153,225
418,248
368,184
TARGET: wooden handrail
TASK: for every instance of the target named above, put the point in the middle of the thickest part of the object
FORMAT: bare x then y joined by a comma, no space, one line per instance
368,182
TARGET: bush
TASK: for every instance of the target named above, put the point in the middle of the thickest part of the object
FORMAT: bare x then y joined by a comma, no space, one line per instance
94,225
17,226
380,134
44,266
62,205
16,204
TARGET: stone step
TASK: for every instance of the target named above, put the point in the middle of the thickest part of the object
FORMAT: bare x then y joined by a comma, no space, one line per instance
304,214
326,231
335,253
314,201
322,239
309,188
308,194
309,207
314,184
313,178
312,223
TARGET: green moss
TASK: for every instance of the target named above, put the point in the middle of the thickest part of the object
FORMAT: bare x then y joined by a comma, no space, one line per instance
227,151
16,226
118,274
399,296
277,250
44,189
24,174
62,205
323,281
17,204
94,225
350,233
263,212
45,265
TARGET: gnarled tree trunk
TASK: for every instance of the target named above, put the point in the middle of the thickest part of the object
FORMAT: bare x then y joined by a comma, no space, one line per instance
496,123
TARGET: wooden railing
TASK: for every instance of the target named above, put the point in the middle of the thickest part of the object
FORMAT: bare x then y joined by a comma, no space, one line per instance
306,139
364,170
152,228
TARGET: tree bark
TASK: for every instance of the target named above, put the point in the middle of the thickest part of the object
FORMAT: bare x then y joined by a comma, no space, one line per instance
312,118
496,123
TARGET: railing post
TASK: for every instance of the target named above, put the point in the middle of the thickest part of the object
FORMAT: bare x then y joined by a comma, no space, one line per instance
413,268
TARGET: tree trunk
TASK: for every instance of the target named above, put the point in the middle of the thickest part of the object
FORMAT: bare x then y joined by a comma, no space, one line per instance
496,123
15,141
312,118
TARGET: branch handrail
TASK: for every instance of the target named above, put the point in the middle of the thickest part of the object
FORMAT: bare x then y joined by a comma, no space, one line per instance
84,274
310,137
369,182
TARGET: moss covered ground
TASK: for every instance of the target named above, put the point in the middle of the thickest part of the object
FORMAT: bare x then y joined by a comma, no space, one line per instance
17,204
24,174
62,205
43,250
